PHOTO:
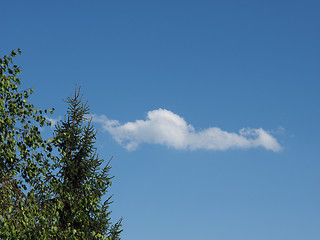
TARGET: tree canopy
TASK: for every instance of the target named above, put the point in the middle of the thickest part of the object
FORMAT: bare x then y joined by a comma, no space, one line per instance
45,195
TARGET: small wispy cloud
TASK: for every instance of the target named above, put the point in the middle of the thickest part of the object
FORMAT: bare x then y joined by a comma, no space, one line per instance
53,121
167,128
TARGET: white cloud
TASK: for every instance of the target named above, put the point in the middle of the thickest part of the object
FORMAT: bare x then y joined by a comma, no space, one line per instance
53,121
167,128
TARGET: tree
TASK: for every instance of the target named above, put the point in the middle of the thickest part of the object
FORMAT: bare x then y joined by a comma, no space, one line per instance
23,154
79,184
43,196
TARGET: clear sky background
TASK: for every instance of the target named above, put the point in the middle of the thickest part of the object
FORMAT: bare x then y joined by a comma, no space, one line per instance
193,73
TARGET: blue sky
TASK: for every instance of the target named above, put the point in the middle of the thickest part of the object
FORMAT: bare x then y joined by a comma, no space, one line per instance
178,80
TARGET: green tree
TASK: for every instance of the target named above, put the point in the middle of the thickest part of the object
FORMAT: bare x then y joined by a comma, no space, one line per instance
23,155
44,196
79,184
